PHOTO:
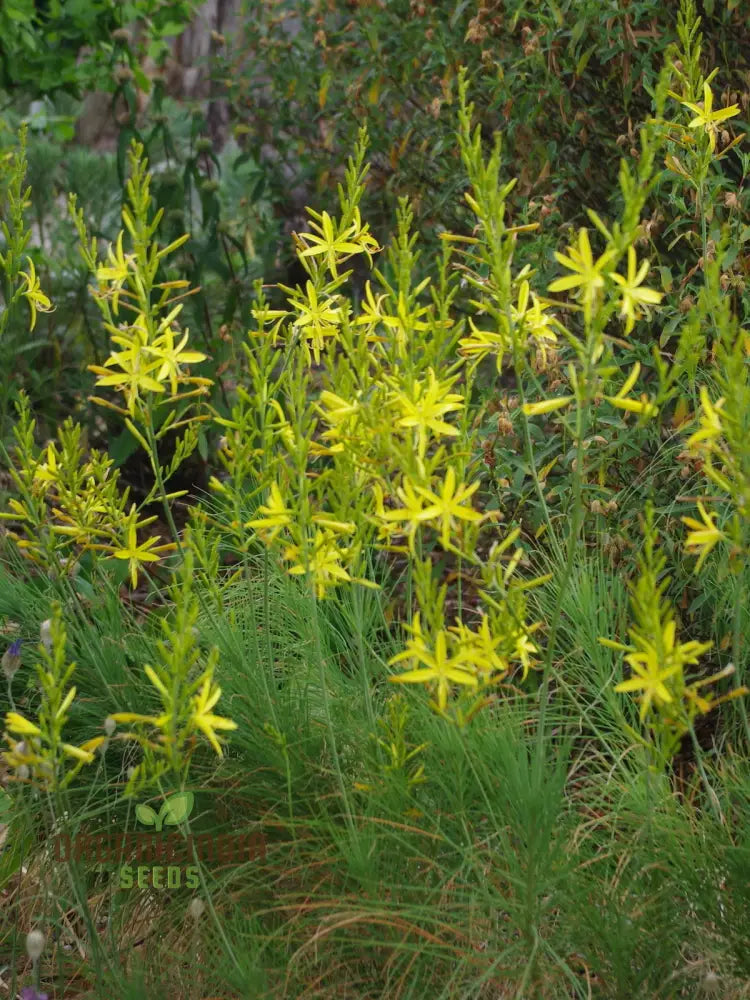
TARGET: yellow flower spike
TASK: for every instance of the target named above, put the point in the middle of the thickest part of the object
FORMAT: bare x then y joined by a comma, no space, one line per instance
16,723
612,644
480,649
78,753
316,319
154,678
649,677
118,266
710,421
546,405
277,516
588,274
89,746
370,306
37,300
134,717
318,450
282,427
424,406
438,667
48,472
344,527
336,247
67,702
136,554
635,298
643,405
165,251
172,357
706,118
323,564
448,505
512,564
337,411
703,536
629,381
524,650
534,321
203,718
132,379
482,343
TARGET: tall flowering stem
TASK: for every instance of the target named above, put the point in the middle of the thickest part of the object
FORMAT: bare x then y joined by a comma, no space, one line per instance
149,363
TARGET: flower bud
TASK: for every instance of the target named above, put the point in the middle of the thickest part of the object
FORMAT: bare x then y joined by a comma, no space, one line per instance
196,908
109,725
11,660
45,633
34,945
203,145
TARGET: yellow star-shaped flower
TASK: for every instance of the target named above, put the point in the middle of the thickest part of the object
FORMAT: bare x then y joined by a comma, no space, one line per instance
707,119
203,718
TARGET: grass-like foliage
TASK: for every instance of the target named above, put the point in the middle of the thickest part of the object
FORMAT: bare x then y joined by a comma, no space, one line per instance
438,688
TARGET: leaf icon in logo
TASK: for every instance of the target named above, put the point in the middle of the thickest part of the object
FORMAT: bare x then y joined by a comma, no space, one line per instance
176,808
146,815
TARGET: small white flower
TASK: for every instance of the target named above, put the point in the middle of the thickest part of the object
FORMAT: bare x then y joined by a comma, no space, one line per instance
34,945
196,908
22,772
45,632
109,725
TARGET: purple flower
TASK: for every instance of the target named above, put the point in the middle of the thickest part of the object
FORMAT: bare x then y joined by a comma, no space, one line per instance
11,660
29,993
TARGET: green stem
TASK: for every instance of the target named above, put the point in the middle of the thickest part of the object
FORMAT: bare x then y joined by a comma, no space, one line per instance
737,646
712,796
582,403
